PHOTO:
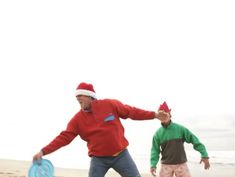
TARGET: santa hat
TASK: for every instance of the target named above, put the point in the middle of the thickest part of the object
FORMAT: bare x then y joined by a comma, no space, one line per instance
85,89
164,107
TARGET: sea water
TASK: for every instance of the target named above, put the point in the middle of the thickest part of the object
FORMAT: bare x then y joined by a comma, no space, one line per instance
220,144
216,157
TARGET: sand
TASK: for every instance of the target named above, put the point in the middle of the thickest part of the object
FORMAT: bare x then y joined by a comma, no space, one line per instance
15,168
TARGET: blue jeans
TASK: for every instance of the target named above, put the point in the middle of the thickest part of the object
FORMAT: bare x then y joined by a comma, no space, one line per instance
123,164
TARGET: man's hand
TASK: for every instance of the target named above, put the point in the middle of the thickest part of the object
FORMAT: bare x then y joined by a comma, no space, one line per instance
38,156
161,115
153,171
206,163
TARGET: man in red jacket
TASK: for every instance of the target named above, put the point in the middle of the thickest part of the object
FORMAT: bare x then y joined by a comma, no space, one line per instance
98,123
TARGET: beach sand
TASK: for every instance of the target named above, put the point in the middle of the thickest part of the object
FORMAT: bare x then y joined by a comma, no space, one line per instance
14,168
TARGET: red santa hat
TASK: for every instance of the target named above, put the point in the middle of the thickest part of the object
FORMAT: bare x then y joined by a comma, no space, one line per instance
164,107
85,89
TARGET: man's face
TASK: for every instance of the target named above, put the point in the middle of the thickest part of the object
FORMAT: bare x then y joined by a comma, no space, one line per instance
85,102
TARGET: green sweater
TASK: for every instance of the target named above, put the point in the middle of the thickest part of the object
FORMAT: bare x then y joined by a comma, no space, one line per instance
169,141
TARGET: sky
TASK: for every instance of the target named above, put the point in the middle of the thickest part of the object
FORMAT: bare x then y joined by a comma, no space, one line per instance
139,52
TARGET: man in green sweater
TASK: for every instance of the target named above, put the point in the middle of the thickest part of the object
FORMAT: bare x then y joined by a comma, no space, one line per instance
169,142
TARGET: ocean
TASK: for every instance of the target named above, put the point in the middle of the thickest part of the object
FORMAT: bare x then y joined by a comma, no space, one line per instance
220,145
216,157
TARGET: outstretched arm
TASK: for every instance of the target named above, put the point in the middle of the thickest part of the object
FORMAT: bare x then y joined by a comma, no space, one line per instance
126,111
64,138
198,146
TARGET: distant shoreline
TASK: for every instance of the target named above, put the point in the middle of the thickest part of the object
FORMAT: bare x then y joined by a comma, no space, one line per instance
17,168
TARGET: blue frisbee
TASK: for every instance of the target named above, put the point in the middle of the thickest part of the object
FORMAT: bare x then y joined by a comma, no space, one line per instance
41,168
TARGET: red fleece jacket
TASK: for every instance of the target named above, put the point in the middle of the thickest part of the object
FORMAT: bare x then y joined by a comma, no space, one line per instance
101,128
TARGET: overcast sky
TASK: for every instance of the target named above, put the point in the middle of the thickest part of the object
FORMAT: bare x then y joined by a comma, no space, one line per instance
140,52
